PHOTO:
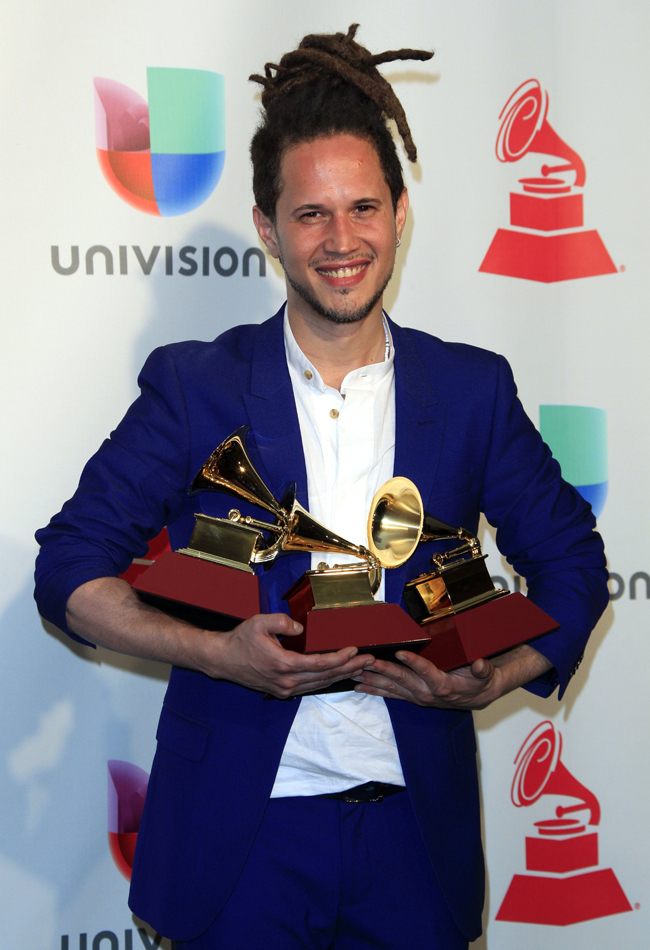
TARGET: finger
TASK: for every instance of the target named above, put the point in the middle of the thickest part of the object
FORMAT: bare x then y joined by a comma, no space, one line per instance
346,661
386,693
421,666
400,672
482,669
279,624
404,682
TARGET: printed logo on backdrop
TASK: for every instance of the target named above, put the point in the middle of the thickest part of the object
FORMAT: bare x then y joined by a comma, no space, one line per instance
577,437
127,789
564,883
164,156
547,240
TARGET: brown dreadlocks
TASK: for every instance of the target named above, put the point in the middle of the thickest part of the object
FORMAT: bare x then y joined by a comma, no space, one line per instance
330,85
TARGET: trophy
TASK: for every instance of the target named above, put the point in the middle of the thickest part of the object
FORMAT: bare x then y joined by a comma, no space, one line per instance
212,583
456,602
336,605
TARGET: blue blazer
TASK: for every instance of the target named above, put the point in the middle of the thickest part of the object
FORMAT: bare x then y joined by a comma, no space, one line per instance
462,436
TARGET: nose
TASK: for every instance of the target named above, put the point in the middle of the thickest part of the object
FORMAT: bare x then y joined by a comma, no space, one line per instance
341,238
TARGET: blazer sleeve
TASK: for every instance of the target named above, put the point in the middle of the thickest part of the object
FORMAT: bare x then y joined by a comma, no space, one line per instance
546,531
130,489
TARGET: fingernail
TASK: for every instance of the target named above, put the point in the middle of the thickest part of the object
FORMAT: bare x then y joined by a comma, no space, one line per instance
353,652
400,656
297,626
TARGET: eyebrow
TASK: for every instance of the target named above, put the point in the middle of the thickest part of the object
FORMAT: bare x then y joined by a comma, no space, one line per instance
318,207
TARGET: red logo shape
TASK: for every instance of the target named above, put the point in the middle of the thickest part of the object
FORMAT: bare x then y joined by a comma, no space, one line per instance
127,789
571,887
545,204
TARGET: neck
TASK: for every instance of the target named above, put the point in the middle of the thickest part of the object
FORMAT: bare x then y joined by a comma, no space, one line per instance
335,349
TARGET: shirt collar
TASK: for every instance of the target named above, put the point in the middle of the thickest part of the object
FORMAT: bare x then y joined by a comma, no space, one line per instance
364,377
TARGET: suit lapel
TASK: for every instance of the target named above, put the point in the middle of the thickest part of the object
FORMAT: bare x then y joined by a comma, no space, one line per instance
419,431
271,407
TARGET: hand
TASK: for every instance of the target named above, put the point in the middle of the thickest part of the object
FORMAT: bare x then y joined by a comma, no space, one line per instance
468,687
252,656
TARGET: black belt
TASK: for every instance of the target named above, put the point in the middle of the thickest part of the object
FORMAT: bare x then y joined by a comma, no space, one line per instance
370,792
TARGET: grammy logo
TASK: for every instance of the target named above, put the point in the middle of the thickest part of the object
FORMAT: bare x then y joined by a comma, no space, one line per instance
551,243
566,885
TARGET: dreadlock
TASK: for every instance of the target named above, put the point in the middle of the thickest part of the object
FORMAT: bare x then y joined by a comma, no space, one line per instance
330,85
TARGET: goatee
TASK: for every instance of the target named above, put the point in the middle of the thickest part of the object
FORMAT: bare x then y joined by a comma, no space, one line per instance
328,313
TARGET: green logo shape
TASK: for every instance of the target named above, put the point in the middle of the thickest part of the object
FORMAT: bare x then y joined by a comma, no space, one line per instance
186,111
577,437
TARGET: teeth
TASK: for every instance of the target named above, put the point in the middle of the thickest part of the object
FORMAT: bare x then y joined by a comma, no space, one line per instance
342,271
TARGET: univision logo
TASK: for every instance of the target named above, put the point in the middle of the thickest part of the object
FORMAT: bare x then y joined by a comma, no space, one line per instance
577,437
164,157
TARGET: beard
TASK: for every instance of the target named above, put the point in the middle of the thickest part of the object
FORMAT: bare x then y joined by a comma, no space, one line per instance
329,313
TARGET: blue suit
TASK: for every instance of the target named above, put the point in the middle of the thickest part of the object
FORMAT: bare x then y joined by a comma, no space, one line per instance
464,439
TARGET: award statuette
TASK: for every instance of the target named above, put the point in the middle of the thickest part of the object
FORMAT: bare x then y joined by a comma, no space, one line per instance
456,602
211,583
336,605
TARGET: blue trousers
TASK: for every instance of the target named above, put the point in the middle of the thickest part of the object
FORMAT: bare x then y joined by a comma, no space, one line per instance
328,875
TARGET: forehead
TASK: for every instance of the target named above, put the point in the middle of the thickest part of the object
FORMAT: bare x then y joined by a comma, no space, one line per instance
336,166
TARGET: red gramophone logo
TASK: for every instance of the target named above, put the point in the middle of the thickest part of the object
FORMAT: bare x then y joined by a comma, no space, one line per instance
550,242
564,884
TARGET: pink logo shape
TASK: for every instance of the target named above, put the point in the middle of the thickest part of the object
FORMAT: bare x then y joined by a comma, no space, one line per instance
127,789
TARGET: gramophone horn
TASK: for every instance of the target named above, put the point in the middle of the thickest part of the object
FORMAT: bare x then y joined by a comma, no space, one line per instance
229,469
395,522
398,523
525,128
540,771
305,533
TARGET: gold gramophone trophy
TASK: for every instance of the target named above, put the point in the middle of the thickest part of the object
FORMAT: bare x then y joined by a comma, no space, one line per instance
336,605
456,602
212,581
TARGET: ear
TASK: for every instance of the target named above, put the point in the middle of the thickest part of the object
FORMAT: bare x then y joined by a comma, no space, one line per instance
401,212
266,230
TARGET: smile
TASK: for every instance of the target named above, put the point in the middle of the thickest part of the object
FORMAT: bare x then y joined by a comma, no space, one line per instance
342,271
346,275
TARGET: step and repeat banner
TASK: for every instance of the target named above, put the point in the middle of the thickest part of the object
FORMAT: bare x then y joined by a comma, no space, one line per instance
127,210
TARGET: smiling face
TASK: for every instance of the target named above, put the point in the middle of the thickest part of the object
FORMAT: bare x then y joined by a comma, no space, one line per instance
335,228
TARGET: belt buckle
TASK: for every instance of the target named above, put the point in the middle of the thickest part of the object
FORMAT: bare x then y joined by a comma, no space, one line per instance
379,796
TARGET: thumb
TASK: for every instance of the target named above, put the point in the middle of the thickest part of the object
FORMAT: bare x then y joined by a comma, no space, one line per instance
282,625
482,669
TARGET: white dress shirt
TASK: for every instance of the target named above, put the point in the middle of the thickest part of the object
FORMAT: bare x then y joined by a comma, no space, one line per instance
339,740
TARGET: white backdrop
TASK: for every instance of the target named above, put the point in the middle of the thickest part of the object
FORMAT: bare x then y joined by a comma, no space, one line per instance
73,345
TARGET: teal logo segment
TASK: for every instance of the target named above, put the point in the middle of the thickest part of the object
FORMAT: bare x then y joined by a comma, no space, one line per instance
186,111
577,437
164,156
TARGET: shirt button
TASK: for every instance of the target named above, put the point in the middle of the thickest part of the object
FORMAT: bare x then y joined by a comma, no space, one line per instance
334,413
308,374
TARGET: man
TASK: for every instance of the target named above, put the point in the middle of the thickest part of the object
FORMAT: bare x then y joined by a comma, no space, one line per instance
345,819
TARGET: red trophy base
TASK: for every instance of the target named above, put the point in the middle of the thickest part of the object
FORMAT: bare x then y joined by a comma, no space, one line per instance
484,631
380,629
208,595
547,258
560,901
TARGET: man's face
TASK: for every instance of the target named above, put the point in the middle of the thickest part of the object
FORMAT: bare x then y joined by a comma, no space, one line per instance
335,228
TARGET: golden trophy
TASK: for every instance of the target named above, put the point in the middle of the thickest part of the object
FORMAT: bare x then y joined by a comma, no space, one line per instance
456,602
212,581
